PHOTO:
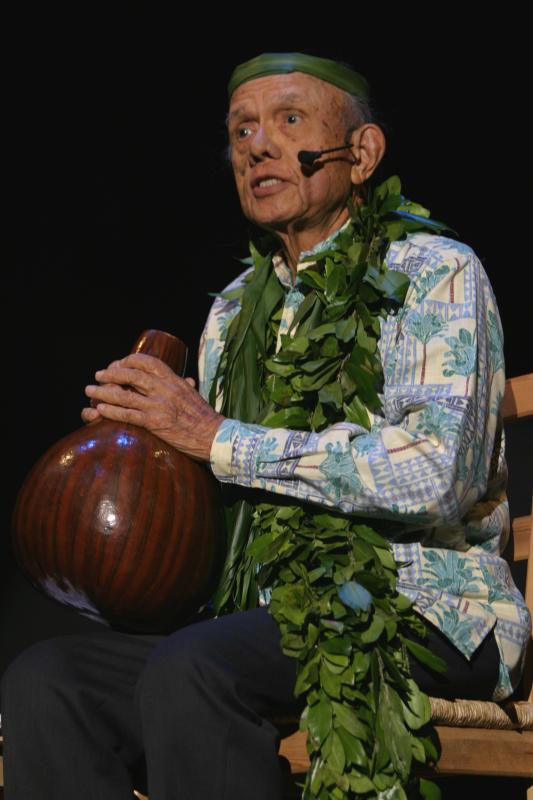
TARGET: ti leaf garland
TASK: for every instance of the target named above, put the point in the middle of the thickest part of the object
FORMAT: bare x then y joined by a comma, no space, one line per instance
333,576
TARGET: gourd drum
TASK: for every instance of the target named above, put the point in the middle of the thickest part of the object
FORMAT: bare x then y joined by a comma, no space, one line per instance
119,525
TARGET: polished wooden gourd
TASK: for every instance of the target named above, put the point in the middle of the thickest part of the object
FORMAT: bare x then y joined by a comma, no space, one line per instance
119,525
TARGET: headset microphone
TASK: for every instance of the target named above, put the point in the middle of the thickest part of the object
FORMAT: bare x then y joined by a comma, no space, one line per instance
308,156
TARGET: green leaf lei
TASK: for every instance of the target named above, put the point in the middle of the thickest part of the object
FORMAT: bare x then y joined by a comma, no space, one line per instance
333,575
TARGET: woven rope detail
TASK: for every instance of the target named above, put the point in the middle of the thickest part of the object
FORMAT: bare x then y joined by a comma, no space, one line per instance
481,714
467,714
522,712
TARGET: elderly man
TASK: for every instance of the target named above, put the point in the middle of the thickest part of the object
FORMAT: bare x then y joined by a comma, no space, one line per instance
79,711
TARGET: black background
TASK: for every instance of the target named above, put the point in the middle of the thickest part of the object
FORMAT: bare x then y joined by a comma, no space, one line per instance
121,213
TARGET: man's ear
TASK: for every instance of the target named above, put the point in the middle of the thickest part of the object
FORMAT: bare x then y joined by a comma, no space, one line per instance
368,148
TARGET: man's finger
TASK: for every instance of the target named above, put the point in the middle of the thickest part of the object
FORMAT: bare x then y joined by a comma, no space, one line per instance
129,415
146,363
117,395
126,377
90,414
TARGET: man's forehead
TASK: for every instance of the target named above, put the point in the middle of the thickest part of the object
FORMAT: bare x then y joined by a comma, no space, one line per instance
292,88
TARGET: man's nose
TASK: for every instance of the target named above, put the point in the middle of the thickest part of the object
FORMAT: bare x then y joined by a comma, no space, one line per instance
263,144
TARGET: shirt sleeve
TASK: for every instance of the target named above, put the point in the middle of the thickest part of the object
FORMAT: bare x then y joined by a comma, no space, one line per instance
426,460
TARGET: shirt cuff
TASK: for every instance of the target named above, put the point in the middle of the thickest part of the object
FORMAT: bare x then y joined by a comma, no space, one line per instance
232,450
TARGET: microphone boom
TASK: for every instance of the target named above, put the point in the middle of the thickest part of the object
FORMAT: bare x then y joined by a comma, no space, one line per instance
308,156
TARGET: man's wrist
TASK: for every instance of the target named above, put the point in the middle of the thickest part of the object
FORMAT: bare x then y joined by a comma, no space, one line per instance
220,458
233,451
211,434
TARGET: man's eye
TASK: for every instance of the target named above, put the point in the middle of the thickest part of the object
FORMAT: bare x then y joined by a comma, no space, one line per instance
240,134
292,116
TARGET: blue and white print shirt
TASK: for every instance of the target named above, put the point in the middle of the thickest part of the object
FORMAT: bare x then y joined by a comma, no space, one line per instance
434,461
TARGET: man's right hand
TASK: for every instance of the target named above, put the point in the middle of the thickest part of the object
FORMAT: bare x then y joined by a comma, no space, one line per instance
92,415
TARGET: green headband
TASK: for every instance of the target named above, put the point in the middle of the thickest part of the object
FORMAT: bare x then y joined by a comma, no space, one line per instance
275,63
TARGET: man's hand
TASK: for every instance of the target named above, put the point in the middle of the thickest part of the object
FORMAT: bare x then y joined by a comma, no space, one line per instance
163,403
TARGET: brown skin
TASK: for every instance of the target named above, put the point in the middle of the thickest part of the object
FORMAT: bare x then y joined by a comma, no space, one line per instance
163,403
266,130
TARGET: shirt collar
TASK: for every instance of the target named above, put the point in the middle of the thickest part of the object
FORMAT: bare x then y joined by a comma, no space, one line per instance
283,270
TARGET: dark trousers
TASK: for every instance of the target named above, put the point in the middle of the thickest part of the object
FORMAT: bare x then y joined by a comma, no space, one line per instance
79,712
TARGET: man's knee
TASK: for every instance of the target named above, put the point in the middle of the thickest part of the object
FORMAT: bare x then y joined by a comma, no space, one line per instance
32,675
179,665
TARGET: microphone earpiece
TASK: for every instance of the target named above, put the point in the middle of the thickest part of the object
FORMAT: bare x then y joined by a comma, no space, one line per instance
308,156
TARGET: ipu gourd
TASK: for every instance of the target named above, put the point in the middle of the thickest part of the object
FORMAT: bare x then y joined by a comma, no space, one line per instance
119,525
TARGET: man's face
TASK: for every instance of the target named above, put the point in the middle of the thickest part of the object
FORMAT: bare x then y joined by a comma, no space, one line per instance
272,118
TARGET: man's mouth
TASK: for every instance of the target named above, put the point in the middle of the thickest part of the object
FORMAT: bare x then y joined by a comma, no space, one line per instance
263,187
268,182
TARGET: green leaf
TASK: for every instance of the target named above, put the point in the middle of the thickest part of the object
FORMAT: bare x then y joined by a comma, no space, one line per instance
349,720
286,512
430,745
312,278
333,279
231,294
338,645
429,790
316,776
287,418
417,711
330,347
392,667
282,392
390,722
417,749
279,368
371,536
315,574
360,375
375,677
425,656
330,682
386,558
337,756
337,659
374,630
364,340
319,719
361,784
414,208
390,186
308,314
334,521
361,663
356,412
412,222
395,284
321,331
307,677
290,602
353,748
394,792
298,344
332,393
345,328
318,418
320,377
317,365
264,548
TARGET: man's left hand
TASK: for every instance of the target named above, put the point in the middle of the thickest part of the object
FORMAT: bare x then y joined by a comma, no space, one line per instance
163,403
